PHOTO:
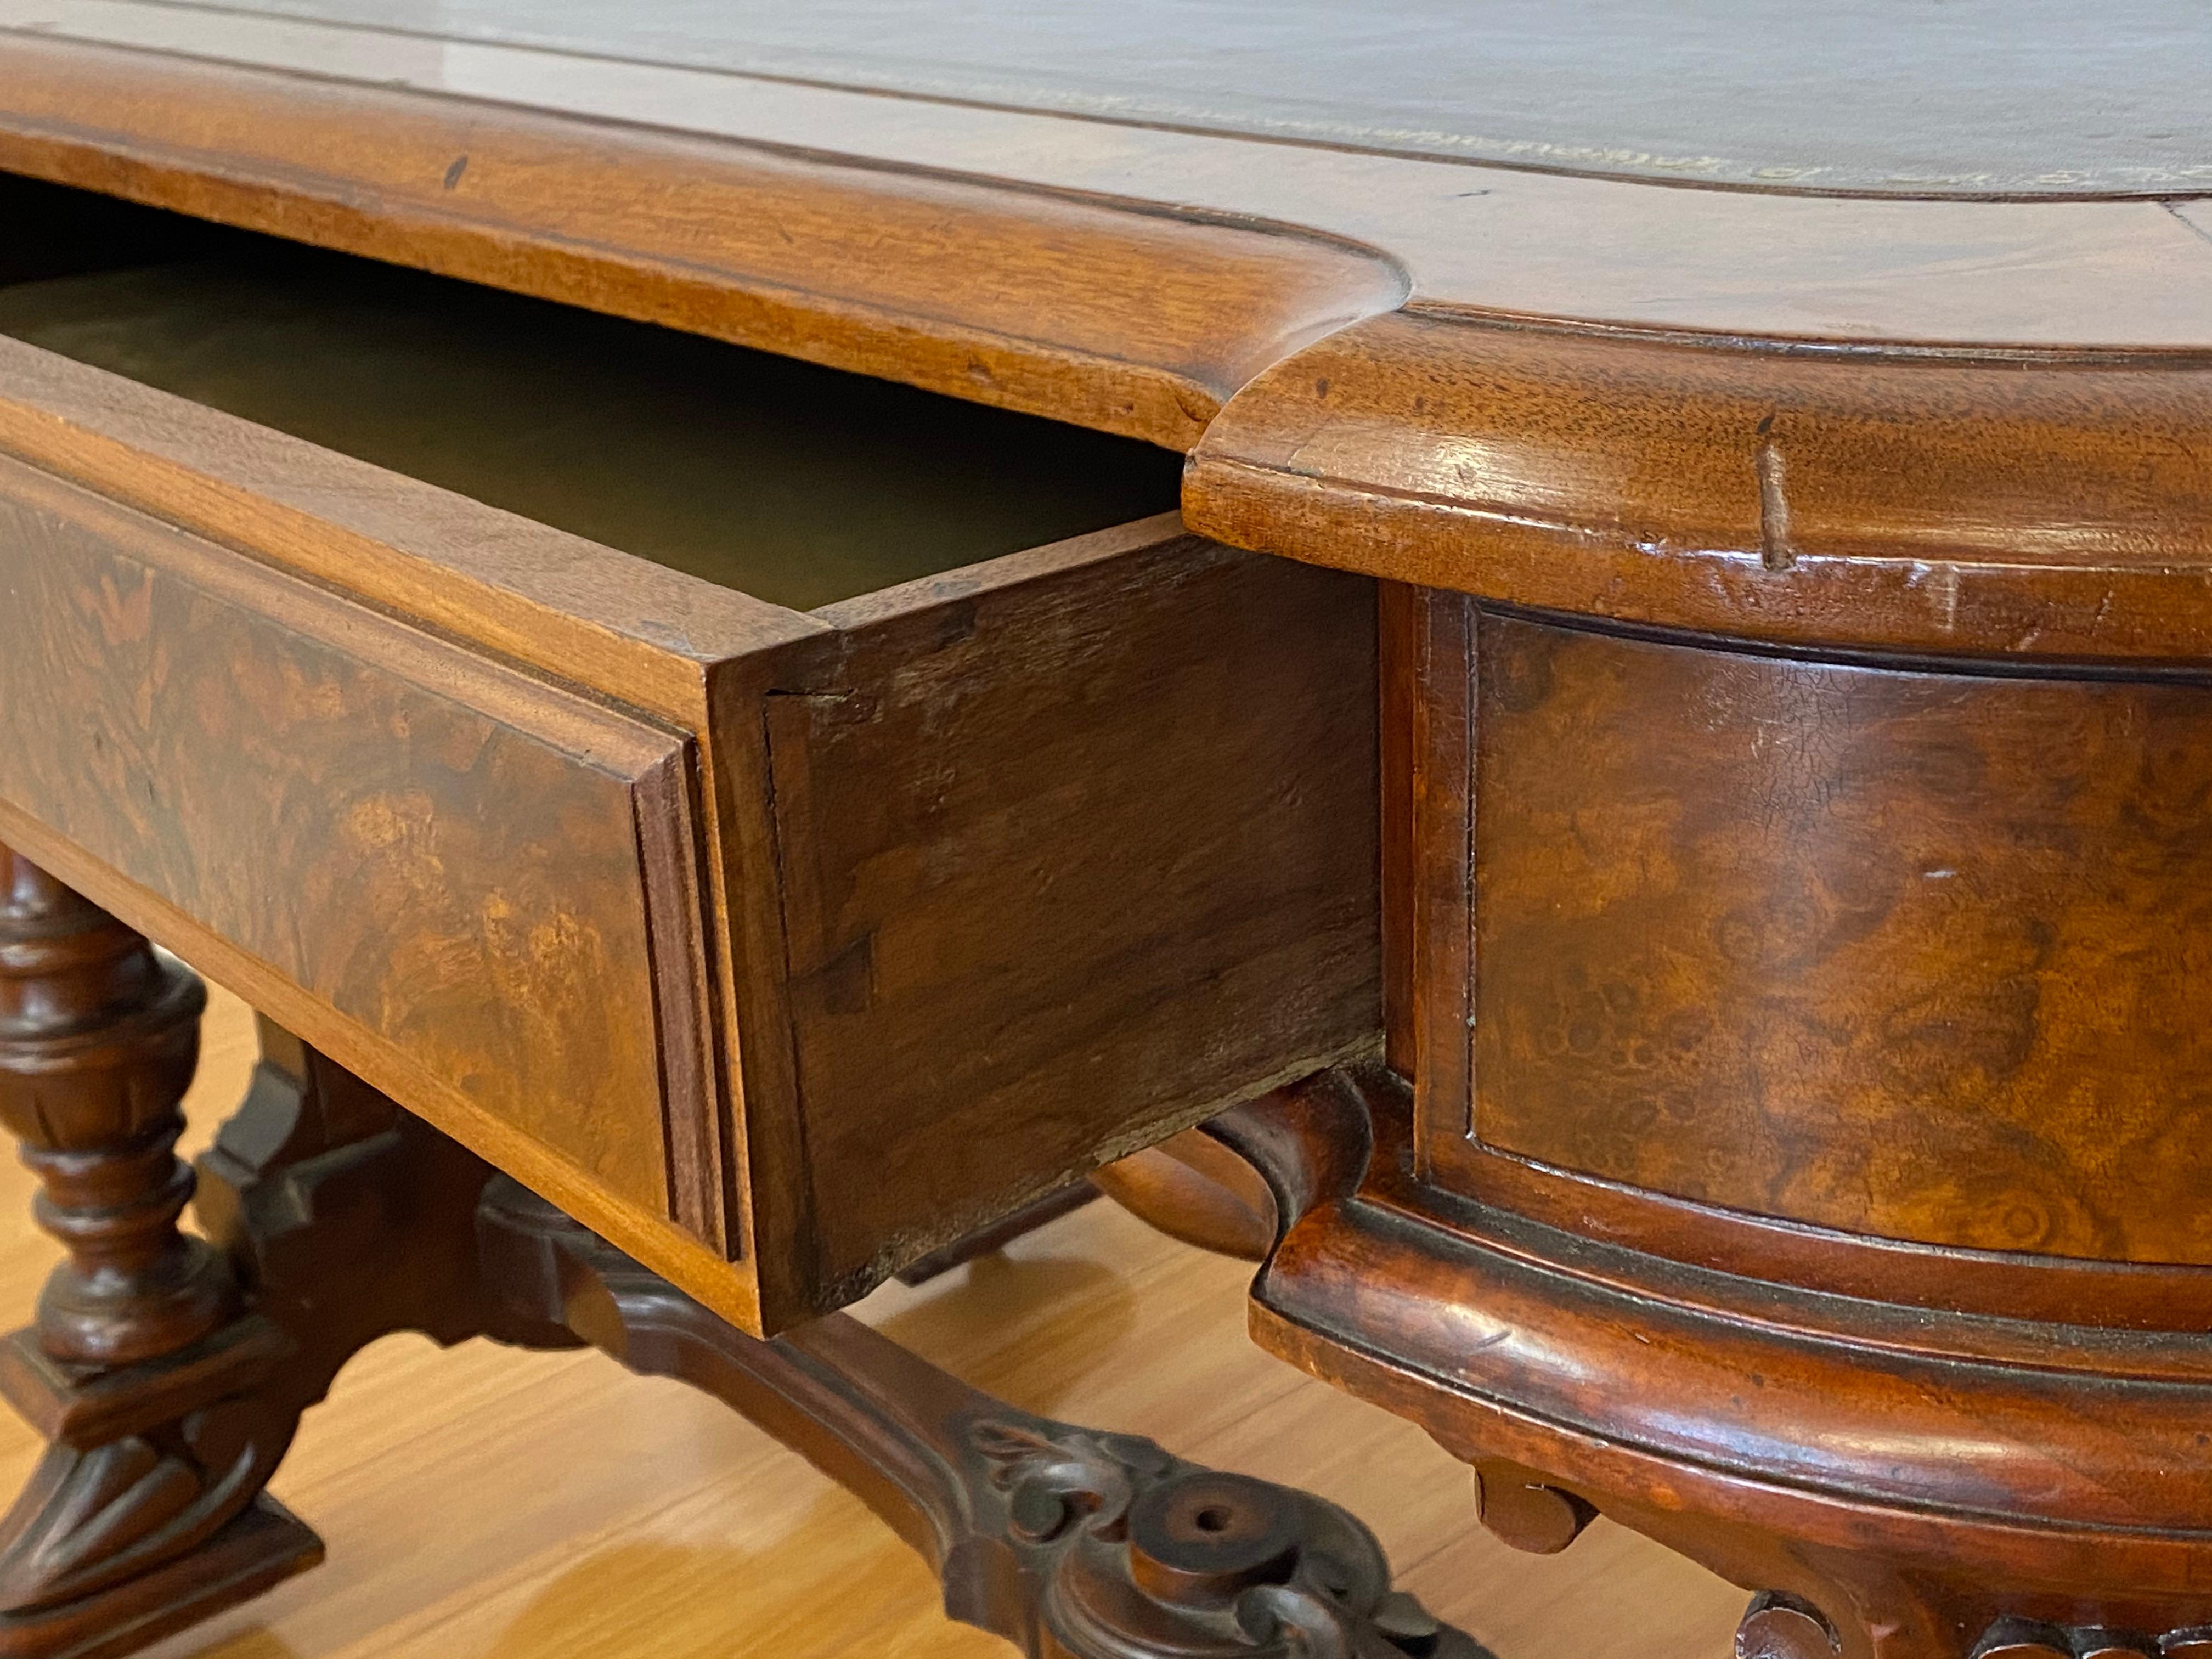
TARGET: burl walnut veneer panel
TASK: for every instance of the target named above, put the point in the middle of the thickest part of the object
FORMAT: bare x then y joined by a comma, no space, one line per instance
1910,954
453,857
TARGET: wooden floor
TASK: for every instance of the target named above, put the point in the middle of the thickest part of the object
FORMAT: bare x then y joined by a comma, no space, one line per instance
665,1527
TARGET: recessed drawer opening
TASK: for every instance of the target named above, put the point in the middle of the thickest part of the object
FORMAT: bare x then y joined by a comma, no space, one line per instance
798,484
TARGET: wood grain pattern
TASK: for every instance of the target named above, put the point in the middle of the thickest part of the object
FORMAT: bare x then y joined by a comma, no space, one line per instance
1852,946
449,854
1814,1047
1034,301
646,636
2022,503
1053,889
490,1135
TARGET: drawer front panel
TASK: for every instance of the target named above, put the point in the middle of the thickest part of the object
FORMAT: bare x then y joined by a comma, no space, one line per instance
475,869
1911,954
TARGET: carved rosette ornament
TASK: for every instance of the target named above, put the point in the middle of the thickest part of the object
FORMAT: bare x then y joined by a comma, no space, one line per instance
1140,1552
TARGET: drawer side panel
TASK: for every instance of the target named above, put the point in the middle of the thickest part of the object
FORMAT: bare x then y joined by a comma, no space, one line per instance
1068,866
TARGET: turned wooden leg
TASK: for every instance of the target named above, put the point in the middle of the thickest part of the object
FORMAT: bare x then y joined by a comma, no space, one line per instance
168,1373
1070,1543
99,1037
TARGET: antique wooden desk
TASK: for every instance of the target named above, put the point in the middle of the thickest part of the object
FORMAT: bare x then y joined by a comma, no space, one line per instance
1653,805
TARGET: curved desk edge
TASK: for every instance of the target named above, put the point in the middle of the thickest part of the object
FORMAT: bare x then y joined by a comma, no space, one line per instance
2005,504
1111,316
1353,393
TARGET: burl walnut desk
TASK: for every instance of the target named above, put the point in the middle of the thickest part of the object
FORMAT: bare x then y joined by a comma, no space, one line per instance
1643,842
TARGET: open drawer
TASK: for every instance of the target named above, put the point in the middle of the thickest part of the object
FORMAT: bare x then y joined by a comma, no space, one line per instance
912,818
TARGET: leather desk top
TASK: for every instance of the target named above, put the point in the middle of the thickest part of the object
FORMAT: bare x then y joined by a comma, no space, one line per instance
1993,98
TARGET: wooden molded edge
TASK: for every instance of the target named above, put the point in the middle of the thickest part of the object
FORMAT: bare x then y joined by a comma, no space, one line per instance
1008,570
1140,321
1891,497
702,1189
540,596
2002,505
1130,316
1533,1327
667,1247
1673,1498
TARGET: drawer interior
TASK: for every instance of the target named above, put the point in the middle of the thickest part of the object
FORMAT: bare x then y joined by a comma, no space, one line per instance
798,484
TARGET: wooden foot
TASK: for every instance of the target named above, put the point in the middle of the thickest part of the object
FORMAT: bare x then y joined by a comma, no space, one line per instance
1779,1626
169,1373
1070,1543
258,1549
1521,1507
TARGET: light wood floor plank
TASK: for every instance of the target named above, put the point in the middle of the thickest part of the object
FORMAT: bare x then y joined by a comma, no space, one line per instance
484,1505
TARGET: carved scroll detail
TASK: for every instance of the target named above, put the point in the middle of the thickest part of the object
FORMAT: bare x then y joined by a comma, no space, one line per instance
1071,1543
93,1517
